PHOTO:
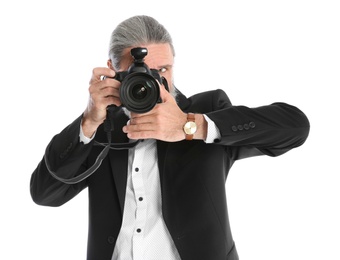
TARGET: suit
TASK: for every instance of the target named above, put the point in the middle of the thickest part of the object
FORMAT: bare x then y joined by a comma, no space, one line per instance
192,174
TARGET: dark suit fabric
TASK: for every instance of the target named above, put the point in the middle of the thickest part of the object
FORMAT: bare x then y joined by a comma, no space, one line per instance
192,174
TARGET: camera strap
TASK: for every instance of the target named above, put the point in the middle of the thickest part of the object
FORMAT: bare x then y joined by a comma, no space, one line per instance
108,128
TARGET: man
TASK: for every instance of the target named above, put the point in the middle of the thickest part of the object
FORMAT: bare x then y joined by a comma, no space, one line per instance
164,197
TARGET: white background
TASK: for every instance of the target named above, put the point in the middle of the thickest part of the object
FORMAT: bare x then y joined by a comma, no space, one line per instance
259,52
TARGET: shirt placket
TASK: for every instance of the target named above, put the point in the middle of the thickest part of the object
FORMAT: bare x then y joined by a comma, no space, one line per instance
141,208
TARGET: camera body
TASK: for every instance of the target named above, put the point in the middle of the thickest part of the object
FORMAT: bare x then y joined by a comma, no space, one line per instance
139,91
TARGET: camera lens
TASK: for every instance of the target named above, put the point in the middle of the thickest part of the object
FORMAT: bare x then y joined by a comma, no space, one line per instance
139,92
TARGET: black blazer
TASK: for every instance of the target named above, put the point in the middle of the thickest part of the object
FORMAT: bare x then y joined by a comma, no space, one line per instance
192,174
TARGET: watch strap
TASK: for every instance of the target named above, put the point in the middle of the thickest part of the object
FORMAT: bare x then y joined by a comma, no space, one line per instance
190,118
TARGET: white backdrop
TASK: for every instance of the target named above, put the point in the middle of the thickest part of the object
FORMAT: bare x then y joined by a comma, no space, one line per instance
259,52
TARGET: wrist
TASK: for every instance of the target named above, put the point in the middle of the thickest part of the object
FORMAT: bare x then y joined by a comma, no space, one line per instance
202,127
88,127
195,127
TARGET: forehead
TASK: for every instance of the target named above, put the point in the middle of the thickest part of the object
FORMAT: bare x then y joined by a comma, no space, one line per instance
159,55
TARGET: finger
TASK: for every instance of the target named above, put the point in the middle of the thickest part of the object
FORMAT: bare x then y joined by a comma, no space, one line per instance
137,129
100,101
106,87
109,83
101,71
141,118
105,92
109,91
111,100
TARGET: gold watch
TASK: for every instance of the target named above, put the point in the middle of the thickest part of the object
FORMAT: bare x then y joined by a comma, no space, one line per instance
190,127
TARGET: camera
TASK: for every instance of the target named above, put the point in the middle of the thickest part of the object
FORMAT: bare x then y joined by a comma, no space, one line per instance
139,91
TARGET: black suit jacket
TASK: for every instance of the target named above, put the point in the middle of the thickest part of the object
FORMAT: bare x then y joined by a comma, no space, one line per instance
192,174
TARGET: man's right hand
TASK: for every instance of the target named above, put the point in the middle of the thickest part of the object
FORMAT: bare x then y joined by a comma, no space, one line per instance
102,94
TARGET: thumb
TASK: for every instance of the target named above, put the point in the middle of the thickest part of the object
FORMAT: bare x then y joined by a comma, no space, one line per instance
164,94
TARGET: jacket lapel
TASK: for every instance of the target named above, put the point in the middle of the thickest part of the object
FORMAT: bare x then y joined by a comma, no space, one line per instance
161,153
119,167
118,159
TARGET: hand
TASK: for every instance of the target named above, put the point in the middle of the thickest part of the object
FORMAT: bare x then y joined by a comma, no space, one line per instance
102,93
164,122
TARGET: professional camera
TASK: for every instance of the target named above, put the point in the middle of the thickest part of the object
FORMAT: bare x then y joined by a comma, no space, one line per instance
139,91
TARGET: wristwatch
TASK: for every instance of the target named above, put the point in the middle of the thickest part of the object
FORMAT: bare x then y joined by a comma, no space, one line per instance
190,127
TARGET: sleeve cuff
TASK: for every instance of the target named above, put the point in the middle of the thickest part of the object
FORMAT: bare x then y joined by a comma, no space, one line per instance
213,133
84,138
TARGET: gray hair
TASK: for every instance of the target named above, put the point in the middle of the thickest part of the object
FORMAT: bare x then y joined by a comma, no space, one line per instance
136,31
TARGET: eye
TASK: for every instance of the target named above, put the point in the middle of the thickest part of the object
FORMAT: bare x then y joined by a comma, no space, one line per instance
162,70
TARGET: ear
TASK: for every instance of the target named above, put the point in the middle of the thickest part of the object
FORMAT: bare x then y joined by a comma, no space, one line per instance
109,64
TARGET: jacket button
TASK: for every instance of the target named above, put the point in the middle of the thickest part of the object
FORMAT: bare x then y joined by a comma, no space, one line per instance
234,128
65,152
111,240
246,126
252,125
69,147
240,127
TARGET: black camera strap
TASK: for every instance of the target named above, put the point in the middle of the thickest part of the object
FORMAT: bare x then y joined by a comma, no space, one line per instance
108,128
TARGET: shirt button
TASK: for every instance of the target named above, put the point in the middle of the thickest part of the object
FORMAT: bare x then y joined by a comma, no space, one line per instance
140,198
111,240
136,169
139,230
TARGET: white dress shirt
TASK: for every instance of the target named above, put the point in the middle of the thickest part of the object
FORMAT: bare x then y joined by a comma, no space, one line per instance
143,234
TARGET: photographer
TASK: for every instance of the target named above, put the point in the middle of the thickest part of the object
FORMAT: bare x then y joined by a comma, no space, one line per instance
159,190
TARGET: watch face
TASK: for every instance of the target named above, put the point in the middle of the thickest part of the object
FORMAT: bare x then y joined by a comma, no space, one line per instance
190,128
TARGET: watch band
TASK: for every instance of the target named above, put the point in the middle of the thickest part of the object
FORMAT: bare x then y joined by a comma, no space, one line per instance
190,118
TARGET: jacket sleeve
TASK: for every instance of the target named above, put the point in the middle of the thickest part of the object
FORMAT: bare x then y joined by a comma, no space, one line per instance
64,151
271,130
